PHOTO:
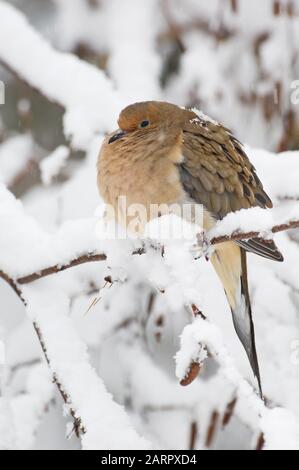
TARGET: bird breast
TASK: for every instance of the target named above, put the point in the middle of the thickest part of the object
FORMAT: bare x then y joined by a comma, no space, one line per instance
147,181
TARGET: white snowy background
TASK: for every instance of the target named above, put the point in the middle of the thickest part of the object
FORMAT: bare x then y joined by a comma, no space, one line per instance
119,333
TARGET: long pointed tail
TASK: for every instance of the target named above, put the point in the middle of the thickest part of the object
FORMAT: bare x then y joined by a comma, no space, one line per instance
230,263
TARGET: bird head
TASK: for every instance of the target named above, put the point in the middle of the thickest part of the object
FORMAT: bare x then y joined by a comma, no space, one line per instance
150,120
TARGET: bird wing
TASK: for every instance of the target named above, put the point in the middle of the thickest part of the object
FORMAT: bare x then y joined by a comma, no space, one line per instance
217,173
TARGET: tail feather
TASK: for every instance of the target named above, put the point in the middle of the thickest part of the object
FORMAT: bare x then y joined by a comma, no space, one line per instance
265,248
230,263
248,340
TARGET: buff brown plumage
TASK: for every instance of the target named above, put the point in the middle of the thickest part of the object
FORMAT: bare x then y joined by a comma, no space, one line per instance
163,154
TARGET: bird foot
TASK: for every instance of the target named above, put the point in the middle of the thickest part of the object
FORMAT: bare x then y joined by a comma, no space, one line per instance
201,247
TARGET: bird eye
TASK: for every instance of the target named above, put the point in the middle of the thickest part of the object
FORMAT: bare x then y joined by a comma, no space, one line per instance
144,123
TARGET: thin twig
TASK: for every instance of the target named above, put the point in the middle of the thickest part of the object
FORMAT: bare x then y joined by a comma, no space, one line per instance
12,284
260,442
246,235
229,411
212,428
57,268
86,258
193,435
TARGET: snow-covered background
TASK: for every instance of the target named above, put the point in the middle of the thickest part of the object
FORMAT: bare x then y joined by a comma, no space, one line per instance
119,333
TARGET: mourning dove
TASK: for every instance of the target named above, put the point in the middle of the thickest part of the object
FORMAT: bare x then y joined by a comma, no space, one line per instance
164,154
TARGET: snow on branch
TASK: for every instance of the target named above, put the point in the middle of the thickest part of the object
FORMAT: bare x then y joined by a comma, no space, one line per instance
29,407
66,355
51,166
240,225
255,222
101,423
12,170
98,420
200,333
91,103
64,351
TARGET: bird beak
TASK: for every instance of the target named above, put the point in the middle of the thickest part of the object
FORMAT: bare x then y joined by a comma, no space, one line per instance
118,135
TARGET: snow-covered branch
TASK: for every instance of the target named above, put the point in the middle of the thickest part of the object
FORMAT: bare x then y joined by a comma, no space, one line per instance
111,312
235,226
68,362
65,353
87,95
190,369
241,226
200,333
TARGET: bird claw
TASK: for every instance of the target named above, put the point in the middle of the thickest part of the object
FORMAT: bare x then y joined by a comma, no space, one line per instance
201,247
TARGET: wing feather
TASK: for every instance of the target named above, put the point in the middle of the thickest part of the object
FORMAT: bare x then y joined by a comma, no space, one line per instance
217,173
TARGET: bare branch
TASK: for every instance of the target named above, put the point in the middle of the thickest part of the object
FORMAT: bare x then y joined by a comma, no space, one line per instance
193,435
229,411
195,367
260,442
212,428
86,258
57,268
